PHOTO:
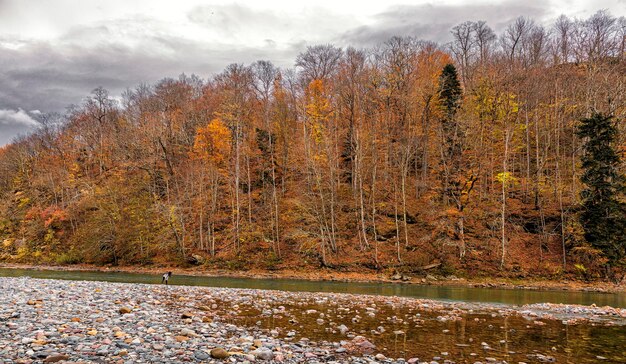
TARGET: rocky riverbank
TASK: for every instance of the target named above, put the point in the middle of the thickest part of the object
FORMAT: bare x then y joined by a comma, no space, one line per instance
46,321
55,321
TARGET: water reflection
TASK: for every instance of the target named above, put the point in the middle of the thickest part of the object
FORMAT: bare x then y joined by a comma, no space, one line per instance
405,330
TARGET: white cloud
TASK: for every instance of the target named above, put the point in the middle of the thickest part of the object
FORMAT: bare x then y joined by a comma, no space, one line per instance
14,123
16,117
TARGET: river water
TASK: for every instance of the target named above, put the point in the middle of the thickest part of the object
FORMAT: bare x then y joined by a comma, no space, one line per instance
453,293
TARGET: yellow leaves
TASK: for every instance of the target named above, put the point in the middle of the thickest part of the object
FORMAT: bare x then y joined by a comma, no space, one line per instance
49,237
317,132
320,158
6,243
74,173
495,104
506,178
212,142
484,100
23,202
172,213
174,219
514,106
318,109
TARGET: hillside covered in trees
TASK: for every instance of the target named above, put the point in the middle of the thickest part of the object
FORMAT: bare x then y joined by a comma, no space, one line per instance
466,155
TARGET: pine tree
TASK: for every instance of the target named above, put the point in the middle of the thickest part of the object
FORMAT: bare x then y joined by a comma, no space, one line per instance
604,211
449,91
450,94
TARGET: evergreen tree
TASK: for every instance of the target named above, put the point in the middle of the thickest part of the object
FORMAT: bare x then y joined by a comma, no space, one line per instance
604,212
450,94
450,91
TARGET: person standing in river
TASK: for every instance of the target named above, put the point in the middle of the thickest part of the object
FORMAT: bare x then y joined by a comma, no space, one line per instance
166,278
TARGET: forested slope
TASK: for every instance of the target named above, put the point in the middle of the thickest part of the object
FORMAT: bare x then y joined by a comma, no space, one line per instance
409,154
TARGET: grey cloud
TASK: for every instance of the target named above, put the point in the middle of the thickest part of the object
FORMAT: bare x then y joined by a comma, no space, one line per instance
124,52
51,75
433,22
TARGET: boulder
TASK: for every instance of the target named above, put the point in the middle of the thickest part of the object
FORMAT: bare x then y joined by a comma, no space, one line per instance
196,259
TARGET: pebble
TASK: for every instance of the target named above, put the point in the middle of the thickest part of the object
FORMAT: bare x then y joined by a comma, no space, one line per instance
219,353
56,358
202,355
263,354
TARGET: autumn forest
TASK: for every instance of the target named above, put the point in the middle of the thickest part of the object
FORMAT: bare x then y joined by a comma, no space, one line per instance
466,157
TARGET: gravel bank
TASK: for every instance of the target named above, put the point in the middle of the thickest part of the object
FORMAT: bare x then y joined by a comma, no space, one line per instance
46,321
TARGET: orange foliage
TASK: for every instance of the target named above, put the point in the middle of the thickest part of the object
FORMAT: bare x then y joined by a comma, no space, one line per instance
212,142
318,105
53,215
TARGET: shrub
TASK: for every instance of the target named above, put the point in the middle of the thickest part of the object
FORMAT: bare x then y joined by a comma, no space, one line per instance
68,258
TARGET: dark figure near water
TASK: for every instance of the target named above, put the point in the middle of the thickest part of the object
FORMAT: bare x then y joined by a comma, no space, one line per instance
166,277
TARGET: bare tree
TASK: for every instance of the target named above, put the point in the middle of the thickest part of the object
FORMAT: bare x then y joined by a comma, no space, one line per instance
483,39
563,28
597,37
318,62
513,37
463,47
536,46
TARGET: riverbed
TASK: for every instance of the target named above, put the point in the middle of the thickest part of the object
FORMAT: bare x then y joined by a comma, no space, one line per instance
107,322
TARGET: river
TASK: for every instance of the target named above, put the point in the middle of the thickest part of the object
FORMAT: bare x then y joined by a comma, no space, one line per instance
448,293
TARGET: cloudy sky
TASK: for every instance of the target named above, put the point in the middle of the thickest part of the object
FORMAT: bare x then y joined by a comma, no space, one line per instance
54,52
